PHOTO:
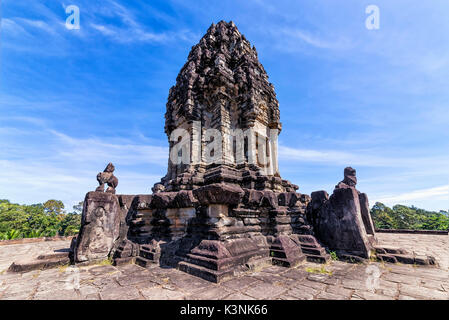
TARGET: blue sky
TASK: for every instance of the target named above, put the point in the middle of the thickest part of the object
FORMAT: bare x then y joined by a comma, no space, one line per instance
73,100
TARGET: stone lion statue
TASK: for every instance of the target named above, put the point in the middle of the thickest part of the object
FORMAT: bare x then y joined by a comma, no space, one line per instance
107,177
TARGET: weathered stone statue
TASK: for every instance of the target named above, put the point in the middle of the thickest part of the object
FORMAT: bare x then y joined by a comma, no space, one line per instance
343,222
100,220
107,177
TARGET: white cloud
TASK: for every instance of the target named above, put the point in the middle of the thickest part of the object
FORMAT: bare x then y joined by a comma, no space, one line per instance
103,29
122,151
11,27
132,30
37,24
36,181
357,158
431,194
313,40
19,33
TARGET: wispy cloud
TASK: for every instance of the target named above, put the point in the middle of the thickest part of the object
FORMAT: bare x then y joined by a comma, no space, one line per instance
434,193
121,152
95,22
130,29
36,181
291,35
376,100
36,24
64,167
11,27
358,158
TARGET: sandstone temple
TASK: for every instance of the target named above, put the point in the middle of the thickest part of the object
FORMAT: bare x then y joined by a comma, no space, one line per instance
223,206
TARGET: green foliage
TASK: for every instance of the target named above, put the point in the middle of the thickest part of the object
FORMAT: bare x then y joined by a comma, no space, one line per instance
321,270
403,217
10,235
333,255
38,220
35,234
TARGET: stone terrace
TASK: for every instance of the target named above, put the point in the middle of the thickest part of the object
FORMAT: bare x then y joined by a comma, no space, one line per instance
335,280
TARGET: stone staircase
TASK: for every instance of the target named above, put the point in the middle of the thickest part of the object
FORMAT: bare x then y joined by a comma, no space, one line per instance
285,252
205,268
395,255
148,254
313,251
140,227
42,262
215,261
126,252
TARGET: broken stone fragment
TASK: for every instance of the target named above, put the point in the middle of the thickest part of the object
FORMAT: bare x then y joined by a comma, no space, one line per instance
338,220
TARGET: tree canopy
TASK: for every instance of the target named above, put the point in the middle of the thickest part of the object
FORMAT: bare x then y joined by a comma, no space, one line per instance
38,220
403,217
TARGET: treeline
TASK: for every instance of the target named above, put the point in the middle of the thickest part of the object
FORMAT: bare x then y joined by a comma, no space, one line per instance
403,217
50,219
47,219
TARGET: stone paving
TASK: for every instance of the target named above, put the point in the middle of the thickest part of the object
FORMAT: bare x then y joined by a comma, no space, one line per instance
430,244
335,280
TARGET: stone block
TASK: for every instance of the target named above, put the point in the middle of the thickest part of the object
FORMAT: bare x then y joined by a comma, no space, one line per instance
100,225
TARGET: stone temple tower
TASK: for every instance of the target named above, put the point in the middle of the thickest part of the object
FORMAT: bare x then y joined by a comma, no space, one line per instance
223,207
222,116
222,204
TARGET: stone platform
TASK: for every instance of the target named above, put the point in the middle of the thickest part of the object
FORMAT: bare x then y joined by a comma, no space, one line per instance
334,280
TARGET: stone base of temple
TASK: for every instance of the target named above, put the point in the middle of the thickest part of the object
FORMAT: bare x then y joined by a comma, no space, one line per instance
217,230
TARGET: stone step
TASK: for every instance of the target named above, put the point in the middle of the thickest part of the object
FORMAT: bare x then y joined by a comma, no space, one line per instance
314,251
149,254
123,253
146,247
142,237
405,258
213,263
288,262
205,273
122,261
57,255
138,222
351,258
203,261
317,258
425,260
276,253
309,245
144,229
143,262
276,246
390,250
307,239
387,258
139,215
38,264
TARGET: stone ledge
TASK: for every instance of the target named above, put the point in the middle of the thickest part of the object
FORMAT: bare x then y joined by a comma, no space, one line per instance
435,232
33,240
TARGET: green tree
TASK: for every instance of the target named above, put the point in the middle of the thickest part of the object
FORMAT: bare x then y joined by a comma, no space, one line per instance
403,217
71,223
37,220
